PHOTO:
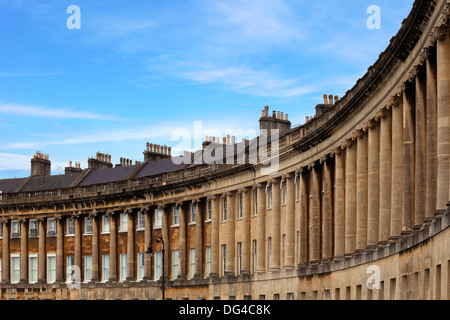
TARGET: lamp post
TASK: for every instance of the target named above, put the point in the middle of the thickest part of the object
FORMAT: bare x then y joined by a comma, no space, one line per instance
159,239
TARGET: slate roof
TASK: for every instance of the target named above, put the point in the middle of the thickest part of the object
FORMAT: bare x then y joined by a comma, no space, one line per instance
11,185
107,175
157,167
49,183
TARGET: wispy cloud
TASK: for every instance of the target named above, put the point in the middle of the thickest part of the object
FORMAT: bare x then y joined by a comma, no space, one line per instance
45,112
244,80
11,161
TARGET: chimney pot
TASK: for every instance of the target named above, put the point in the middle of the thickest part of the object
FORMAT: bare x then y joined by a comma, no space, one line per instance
307,119
336,99
325,99
330,98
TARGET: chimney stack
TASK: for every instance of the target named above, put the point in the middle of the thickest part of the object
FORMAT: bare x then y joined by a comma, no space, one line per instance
155,152
40,165
278,121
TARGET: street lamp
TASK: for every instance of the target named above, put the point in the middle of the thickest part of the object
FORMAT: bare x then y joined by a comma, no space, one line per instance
159,239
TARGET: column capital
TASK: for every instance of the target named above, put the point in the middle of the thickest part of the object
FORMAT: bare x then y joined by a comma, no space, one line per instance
242,190
259,185
212,197
228,194
179,204
287,176
273,181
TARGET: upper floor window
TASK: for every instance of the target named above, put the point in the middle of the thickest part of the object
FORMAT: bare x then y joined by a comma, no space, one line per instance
224,208
240,205
176,216
15,229
269,197
70,227
33,228
283,192
105,224
141,221
51,227
208,210
158,219
255,202
193,212
87,225
123,223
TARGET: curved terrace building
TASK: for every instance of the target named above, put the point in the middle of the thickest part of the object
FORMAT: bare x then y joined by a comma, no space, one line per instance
354,204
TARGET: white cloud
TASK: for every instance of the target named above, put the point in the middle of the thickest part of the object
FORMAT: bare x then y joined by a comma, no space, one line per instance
11,161
44,112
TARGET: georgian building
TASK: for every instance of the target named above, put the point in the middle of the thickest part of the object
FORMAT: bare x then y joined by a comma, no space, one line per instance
354,204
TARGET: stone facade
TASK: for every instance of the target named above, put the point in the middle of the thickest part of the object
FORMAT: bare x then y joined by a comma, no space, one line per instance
358,207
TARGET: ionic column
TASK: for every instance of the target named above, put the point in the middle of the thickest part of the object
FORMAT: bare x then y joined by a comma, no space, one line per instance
327,212
276,226
42,251
147,237
408,161
60,250
245,268
304,209
77,254
420,152
373,184
130,247
385,178
182,242
396,174
230,265
339,205
112,247
443,118
166,237
23,251
261,229
431,143
350,200
290,222
5,252
215,246
199,241
314,216
361,191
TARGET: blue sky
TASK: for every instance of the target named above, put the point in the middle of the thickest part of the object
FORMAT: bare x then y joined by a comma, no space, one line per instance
140,70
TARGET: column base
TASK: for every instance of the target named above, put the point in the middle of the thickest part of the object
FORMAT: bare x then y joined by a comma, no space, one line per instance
197,277
338,258
348,255
371,248
382,244
360,252
314,262
212,276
